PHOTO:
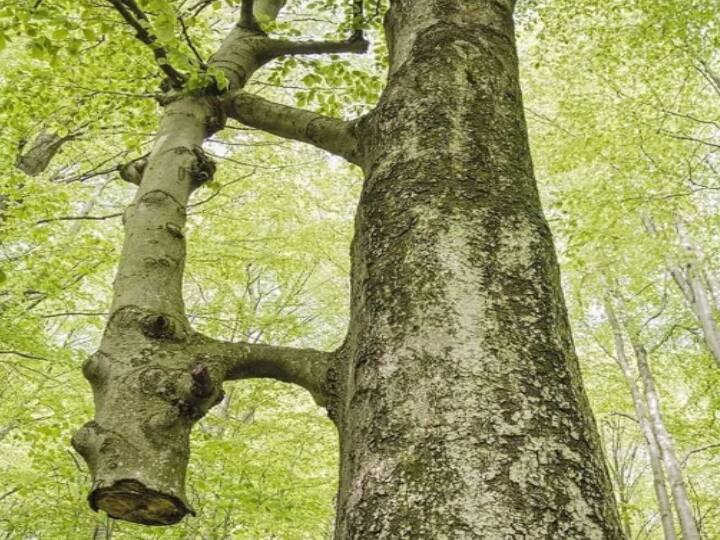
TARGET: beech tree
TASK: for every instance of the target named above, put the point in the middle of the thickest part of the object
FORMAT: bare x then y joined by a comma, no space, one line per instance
456,394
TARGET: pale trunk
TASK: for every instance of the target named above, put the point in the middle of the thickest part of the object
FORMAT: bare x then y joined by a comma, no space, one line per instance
689,281
699,297
683,506
640,405
152,377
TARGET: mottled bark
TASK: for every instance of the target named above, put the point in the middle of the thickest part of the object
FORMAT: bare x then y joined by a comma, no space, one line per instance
460,404
456,393
651,444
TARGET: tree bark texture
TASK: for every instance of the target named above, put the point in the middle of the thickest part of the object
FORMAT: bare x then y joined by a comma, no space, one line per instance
457,394
460,403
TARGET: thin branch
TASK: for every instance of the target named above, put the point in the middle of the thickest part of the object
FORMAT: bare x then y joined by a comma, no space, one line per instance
330,134
8,493
189,41
279,47
688,138
134,20
25,355
78,218
697,451
74,314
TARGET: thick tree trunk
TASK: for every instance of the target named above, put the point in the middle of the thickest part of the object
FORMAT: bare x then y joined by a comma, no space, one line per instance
461,409
640,405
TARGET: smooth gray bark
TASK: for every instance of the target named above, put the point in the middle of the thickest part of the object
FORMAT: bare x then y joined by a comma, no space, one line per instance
681,501
640,405
688,278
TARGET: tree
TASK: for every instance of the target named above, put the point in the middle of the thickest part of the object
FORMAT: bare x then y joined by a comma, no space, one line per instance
628,143
458,369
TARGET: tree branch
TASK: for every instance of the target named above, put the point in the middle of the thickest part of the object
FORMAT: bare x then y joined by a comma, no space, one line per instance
133,16
247,18
305,367
43,150
330,134
279,47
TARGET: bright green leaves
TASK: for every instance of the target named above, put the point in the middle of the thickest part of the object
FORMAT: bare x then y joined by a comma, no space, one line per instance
621,114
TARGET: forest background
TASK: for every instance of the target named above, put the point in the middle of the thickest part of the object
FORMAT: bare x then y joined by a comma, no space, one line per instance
623,104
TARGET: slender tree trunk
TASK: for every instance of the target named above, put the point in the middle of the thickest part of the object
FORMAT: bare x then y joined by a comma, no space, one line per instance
672,465
700,299
683,507
689,280
640,405
461,409
456,393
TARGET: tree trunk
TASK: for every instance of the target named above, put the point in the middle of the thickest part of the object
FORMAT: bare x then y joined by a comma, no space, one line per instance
457,393
683,506
461,409
700,297
640,405
689,280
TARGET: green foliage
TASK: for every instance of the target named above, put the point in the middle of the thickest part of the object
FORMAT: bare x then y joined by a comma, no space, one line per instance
623,116
624,124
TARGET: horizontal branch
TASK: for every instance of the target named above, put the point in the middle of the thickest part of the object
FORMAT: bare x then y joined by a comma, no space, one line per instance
330,134
305,367
279,47
25,355
78,218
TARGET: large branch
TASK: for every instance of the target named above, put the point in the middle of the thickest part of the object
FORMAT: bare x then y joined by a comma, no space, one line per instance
247,18
305,367
42,151
330,134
